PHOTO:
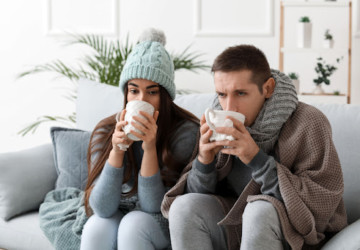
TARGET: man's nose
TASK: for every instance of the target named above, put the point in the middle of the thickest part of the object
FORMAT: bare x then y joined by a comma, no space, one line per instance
230,104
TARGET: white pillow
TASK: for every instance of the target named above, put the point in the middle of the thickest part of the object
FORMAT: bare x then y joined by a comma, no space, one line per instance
95,101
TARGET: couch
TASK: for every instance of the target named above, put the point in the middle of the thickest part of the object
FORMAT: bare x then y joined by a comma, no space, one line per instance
26,176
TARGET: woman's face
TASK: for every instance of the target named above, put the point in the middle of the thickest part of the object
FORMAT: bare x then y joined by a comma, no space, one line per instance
144,90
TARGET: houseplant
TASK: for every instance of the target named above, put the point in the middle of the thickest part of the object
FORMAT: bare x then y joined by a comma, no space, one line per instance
323,71
328,40
304,32
295,80
104,65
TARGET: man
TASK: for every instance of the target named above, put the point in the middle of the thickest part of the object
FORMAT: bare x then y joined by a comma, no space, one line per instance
277,185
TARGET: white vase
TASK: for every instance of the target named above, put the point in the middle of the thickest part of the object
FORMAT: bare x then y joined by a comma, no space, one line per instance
304,35
318,90
296,83
328,44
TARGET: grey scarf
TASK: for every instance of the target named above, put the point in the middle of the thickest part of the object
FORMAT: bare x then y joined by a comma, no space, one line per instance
275,112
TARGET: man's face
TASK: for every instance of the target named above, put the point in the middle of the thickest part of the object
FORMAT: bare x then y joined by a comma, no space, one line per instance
236,92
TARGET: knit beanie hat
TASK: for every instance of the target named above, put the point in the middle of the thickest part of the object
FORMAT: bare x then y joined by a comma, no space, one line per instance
149,60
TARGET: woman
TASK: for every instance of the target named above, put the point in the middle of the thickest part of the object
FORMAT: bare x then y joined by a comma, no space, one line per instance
125,188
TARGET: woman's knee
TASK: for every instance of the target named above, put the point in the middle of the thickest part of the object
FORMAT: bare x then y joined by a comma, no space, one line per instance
100,230
136,222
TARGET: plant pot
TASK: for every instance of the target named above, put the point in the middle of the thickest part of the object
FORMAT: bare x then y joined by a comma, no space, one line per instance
296,83
304,35
318,90
328,44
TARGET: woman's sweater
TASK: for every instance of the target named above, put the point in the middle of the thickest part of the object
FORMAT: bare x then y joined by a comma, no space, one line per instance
107,194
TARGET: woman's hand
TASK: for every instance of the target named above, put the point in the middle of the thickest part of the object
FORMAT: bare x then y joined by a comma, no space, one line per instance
117,155
147,125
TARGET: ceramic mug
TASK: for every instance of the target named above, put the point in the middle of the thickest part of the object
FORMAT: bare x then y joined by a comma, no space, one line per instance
132,109
217,118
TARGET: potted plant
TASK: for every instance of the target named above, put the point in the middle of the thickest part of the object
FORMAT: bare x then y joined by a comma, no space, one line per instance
304,32
328,40
295,80
323,71
103,65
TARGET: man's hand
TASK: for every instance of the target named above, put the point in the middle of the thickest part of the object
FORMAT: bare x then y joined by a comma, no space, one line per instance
243,145
207,150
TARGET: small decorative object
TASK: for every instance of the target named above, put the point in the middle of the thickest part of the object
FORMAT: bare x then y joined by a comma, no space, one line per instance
323,71
336,92
328,40
304,32
295,80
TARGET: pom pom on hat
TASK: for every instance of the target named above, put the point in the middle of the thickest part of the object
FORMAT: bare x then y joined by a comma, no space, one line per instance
149,60
154,35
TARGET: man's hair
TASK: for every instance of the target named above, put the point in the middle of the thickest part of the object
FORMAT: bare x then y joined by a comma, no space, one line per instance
244,57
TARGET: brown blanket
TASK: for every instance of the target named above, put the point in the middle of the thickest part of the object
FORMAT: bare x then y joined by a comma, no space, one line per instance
310,181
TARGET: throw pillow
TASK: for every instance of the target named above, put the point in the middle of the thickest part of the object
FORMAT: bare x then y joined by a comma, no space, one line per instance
70,150
26,176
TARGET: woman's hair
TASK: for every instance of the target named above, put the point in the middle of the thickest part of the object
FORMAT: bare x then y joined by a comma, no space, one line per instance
244,57
170,118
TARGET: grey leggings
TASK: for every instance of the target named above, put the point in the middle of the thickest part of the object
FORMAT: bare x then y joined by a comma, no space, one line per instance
193,225
135,230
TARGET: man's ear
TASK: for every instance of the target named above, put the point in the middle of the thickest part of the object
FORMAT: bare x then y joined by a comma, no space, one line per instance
268,87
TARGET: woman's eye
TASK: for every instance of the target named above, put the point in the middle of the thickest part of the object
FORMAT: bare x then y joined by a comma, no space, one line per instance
133,91
153,92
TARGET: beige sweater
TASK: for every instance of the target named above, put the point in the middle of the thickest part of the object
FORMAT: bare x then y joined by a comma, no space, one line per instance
310,181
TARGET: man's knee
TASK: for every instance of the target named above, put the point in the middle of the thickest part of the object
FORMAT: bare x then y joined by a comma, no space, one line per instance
260,211
188,205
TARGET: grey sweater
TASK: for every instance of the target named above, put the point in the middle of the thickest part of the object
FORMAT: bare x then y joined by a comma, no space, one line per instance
107,194
203,177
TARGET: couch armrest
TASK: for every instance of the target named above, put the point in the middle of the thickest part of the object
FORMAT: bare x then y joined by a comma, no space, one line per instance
348,238
26,176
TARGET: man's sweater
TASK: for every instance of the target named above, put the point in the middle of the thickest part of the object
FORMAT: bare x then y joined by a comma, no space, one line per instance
309,177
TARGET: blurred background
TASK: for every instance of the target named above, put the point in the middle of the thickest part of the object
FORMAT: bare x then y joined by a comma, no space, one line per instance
35,32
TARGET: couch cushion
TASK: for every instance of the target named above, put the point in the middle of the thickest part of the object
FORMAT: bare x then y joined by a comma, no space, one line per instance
348,238
195,103
23,233
70,151
96,101
30,169
345,121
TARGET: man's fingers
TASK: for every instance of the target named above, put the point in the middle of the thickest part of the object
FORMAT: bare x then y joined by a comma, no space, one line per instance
237,124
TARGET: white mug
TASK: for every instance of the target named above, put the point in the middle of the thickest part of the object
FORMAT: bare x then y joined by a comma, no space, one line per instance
132,109
217,118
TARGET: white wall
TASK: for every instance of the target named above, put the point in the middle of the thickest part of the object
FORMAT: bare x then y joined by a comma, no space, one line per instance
32,33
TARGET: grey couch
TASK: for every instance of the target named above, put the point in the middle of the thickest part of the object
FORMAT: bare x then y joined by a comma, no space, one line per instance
26,176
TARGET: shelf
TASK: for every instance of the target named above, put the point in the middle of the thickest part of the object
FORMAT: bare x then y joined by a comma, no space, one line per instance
289,51
325,94
296,3
324,98
315,50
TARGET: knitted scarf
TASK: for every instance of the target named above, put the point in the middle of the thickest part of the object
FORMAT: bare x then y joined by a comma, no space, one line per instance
275,112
